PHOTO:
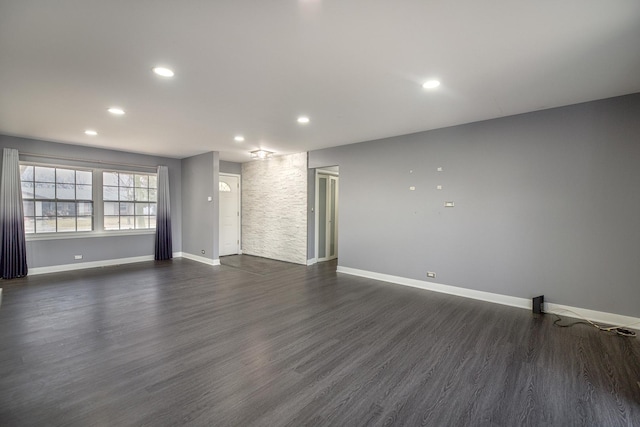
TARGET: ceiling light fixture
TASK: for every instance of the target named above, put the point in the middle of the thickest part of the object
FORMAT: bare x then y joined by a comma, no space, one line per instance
117,111
238,138
90,132
261,154
431,84
164,72
303,119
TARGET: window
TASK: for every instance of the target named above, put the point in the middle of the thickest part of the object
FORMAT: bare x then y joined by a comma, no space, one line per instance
56,200
224,187
129,200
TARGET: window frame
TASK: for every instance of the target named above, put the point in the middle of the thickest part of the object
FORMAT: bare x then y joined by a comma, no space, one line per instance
133,201
57,200
97,201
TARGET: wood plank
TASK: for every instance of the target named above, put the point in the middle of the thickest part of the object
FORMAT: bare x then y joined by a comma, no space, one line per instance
260,342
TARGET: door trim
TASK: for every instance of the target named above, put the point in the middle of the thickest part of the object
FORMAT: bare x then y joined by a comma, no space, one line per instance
235,175
330,174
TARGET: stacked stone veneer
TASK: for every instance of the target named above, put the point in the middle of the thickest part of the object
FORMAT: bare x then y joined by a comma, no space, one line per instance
274,208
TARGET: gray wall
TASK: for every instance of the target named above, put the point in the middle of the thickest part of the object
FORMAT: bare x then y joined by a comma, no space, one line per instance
200,224
45,253
230,167
545,203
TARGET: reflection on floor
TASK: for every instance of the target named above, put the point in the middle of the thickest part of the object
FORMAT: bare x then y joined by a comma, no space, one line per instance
255,264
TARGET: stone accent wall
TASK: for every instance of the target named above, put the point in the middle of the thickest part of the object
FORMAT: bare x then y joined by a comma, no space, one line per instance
274,208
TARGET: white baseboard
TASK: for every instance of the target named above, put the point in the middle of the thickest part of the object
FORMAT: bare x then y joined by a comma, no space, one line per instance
312,261
89,264
600,317
111,262
594,316
198,258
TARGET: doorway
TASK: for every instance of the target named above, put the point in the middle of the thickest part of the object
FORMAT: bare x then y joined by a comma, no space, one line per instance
229,196
327,188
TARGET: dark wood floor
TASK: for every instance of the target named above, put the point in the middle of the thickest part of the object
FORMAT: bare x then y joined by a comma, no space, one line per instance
171,343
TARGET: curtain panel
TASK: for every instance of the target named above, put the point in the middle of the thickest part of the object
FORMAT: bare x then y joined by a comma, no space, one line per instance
164,248
13,245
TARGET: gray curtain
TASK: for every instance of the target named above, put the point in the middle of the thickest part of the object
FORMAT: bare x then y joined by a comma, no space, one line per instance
13,245
164,249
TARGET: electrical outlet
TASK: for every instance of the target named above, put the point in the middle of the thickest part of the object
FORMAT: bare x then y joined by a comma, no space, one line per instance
77,257
431,275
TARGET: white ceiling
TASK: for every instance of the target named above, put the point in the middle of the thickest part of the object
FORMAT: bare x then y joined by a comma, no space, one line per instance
355,67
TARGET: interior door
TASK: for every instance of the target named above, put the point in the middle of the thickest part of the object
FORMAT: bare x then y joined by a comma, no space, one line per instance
327,217
229,215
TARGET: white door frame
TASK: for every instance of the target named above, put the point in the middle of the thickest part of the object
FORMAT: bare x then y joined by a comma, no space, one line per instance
236,175
317,214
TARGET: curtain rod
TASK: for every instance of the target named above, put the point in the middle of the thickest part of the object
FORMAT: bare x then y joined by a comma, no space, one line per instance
101,162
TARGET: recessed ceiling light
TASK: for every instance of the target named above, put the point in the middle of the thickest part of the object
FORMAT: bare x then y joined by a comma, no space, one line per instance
164,72
431,84
303,119
90,132
115,110
238,138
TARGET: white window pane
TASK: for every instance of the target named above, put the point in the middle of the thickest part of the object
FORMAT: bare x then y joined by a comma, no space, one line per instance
45,191
110,178
45,174
127,222
142,208
111,222
26,173
110,193
46,225
224,187
142,222
66,224
27,190
153,181
84,208
153,195
142,181
111,208
142,194
153,209
66,209
84,177
45,208
126,209
126,193
29,225
66,191
152,222
125,179
84,192
29,208
85,223
65,176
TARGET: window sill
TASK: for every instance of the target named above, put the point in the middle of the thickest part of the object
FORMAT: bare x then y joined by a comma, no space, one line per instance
87,234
